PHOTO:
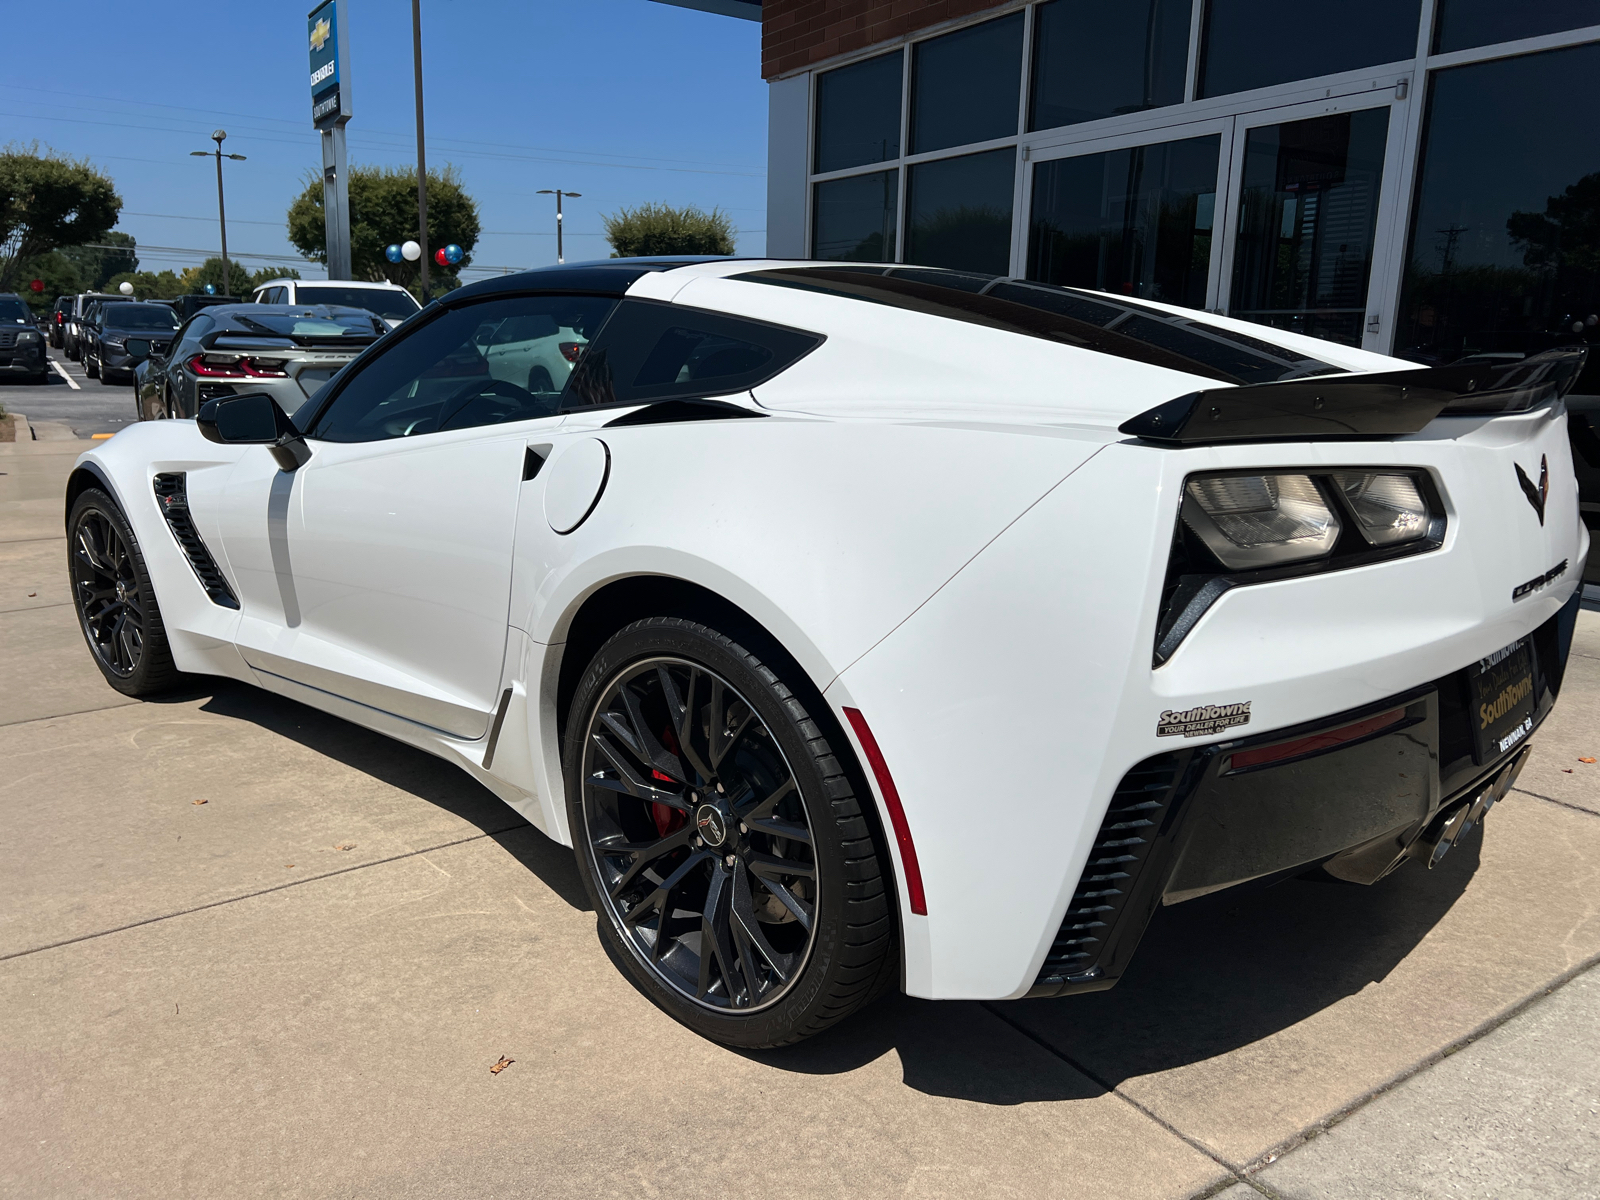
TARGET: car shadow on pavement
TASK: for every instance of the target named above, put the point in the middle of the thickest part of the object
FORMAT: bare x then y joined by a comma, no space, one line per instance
1211,976
402,767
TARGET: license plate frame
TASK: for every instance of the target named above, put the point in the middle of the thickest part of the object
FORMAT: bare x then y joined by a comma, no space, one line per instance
1501,687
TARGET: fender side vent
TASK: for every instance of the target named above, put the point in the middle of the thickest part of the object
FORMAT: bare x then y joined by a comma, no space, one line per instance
173,498
1120,851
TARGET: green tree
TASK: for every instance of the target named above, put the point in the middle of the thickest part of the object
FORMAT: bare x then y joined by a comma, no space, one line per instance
96,264
268,274
148,285
654,229
194,279
48,201
383,210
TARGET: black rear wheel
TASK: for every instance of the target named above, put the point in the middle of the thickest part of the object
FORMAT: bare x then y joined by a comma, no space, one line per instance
721,840
115,602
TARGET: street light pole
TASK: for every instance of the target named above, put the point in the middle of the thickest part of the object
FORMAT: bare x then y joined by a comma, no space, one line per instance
558,193
422,159
222,213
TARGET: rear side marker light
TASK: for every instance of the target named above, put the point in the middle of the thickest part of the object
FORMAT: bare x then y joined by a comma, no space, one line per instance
897,814
1317,742
571,351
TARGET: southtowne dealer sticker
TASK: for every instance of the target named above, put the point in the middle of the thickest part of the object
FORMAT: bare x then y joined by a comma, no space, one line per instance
1201,720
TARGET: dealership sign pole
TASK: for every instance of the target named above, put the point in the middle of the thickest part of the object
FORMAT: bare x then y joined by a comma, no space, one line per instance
330,110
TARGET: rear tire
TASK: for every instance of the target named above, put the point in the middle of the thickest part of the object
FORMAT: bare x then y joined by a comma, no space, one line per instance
90,367
114,599
772,914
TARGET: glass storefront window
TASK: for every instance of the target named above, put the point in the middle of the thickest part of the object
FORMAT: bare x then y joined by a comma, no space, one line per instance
854,218
1136,222
1097,60
858,114
1504,252
1462,24
1257,43
965,85
1308,210
958,212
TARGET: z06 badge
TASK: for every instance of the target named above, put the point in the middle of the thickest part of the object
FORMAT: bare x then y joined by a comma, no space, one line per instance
1201,720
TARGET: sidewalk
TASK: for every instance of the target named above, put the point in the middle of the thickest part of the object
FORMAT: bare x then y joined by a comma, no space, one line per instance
298,987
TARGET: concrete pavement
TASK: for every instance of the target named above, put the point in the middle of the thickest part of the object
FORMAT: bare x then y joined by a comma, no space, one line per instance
298,988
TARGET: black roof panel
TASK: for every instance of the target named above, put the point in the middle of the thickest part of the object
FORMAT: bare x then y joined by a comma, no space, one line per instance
605,276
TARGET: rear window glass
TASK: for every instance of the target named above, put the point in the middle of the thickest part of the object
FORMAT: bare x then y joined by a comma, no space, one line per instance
354,324
382,301
139,316
659,351
1093,320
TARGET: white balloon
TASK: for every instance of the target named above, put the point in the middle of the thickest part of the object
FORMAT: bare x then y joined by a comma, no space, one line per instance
125,288
412,251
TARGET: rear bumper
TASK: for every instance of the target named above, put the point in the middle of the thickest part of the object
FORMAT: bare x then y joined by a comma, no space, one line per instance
1191,822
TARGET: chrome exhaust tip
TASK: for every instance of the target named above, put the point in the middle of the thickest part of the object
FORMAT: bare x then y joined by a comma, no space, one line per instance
1455,822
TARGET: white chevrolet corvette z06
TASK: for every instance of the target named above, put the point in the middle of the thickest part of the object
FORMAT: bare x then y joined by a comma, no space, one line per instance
869,626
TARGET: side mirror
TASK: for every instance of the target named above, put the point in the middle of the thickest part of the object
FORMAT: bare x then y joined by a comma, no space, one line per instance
254,419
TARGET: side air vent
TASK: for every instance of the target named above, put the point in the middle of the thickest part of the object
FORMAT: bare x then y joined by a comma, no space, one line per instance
173,498
1119,854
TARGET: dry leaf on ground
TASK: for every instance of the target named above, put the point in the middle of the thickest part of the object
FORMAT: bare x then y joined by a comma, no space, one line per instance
1587,760
501,1065
1566,770
288,864
345,846
202,802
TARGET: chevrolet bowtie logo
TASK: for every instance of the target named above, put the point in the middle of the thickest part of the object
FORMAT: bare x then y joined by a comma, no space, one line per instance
1536,495
321,33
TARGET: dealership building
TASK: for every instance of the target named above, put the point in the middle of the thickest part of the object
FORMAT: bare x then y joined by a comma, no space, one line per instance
1417,177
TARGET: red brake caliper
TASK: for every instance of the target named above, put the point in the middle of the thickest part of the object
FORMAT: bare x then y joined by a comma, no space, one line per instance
667,820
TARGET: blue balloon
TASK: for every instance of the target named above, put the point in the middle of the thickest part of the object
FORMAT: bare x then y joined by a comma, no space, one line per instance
392,252
211,289
454,253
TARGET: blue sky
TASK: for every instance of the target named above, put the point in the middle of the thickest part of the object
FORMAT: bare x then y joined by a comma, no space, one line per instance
626,101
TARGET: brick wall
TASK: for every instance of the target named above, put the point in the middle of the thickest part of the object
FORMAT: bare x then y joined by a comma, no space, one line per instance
797,33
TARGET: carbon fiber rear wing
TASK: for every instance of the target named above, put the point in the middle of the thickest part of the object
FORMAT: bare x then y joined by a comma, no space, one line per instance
1379,404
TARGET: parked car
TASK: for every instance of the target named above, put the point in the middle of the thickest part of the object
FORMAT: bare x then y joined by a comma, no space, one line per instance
187,306
286,350
109,326
58,319
388,300
71,333
867,626
22,346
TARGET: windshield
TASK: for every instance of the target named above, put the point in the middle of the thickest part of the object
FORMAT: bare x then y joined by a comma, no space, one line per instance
13,312
139,316
352,324
383,301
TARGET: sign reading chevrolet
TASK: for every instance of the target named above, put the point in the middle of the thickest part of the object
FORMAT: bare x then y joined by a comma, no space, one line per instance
330,95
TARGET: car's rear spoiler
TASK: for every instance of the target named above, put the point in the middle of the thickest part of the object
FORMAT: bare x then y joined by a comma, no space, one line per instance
1380,404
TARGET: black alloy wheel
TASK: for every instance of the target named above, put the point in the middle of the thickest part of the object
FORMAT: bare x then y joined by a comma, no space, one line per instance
115,603
721,840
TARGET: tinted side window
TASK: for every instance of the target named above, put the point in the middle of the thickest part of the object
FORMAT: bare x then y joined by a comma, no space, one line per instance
481,364
657,351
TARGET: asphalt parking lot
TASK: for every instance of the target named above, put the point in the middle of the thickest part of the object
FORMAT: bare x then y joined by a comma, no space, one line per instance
71,400
299,985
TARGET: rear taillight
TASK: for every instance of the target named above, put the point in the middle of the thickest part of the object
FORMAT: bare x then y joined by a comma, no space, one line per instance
58,318
215,367
222,366
571,351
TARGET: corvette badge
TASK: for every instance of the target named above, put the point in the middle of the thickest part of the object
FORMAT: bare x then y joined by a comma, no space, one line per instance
1536,495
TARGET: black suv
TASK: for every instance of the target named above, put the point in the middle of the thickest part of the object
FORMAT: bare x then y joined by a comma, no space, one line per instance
21,343
58,320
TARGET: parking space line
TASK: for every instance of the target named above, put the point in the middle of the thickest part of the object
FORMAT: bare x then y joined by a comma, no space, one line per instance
86,937
62,371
